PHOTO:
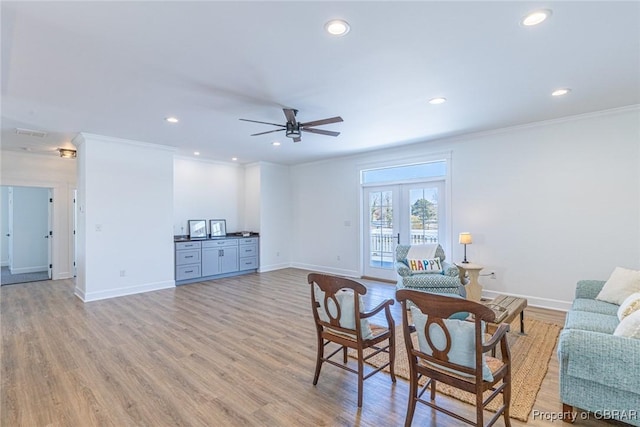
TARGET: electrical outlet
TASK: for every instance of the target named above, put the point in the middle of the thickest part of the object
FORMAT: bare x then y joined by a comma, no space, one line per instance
338,257
492,275
123,273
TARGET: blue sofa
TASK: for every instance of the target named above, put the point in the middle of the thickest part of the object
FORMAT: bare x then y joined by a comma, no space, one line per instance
599,372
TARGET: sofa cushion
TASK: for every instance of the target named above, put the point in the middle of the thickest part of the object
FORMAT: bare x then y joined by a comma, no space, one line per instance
595,322
594,306
629,327
629,306
622,283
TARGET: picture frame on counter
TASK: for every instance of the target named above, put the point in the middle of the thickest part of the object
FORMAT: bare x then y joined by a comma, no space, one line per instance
218,227
197,229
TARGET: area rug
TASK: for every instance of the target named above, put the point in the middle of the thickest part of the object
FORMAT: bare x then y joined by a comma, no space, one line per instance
530,355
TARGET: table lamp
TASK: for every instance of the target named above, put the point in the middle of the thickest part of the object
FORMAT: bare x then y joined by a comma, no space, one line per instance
465,239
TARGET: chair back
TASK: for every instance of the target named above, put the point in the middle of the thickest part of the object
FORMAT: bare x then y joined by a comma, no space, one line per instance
336,304
444,343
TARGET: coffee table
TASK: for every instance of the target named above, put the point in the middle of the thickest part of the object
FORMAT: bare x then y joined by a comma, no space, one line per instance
507,308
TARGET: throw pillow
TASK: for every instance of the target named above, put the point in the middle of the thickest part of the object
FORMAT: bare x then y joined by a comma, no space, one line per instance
463,342
622,283
629,327
629,305
347,310
432,265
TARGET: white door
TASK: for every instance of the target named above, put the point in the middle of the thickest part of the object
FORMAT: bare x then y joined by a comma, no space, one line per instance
408,214
381,231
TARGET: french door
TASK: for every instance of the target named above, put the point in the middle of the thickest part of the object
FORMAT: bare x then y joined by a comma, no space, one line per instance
411,213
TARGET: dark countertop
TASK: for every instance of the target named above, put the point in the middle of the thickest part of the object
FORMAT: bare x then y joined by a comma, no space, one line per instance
185,238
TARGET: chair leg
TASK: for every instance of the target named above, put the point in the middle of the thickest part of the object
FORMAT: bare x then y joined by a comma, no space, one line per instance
319,356
344,355
411,407
433,389
392,357
479,408
506,398
360,376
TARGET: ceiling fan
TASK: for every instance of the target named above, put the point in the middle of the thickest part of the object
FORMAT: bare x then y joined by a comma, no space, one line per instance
293,129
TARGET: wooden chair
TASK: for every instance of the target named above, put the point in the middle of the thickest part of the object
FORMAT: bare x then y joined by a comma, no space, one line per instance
339,319
440,353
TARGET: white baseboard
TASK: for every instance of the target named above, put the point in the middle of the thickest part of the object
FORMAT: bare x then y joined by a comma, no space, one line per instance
112,293
273,267
328,270
35,269
549,303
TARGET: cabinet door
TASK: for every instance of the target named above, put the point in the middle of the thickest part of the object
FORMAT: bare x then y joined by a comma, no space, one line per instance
229,259
210,261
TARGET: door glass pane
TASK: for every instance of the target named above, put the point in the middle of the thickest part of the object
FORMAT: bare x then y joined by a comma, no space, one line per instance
381,229
424,215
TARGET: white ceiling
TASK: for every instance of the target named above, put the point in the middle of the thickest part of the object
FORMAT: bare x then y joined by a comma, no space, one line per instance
119,68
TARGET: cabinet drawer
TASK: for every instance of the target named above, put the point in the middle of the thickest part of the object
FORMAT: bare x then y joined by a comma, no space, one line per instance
250,241
219,243
187,245
248,250
184,272
250,263
187,256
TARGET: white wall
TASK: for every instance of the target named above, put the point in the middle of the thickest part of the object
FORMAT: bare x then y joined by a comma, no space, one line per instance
275,217
34,170
252,198
548,204
30,226
207,190
4,226
125,217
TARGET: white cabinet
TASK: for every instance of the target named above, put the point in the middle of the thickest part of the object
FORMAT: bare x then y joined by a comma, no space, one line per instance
219,256
212,258
188,257
248,254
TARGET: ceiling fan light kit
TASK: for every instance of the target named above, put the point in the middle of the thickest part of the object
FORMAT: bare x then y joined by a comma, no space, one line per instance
293,129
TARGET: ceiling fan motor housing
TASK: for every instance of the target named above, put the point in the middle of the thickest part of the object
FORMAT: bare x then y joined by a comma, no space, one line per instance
293,130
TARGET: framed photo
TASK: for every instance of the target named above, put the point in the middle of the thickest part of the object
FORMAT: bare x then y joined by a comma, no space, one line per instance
197,229
218,227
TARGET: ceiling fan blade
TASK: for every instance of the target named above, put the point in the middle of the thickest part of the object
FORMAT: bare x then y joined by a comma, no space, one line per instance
323,122
269,131
264,123
290,114
320,131
298,139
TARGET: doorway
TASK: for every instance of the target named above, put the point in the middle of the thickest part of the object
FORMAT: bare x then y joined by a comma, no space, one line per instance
26,234
408,214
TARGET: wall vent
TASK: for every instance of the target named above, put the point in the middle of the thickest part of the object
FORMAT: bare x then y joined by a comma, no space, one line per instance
30,132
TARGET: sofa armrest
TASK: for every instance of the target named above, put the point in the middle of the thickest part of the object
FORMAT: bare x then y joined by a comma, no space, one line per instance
450,270
602,358
589,288
402,269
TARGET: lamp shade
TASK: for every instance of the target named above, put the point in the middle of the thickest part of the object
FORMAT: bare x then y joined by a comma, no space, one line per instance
465,239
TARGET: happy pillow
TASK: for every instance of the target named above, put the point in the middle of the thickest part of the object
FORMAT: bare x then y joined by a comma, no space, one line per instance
433,265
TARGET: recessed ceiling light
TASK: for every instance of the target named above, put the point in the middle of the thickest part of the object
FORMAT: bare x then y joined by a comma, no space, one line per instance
438,100
275,144
337,27
196,153
535,17
560,92
172,119
234,158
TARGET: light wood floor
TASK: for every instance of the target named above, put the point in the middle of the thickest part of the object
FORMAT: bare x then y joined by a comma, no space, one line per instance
237,351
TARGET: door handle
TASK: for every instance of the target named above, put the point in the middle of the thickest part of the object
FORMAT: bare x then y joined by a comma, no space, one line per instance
398,237
8,235
46,237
